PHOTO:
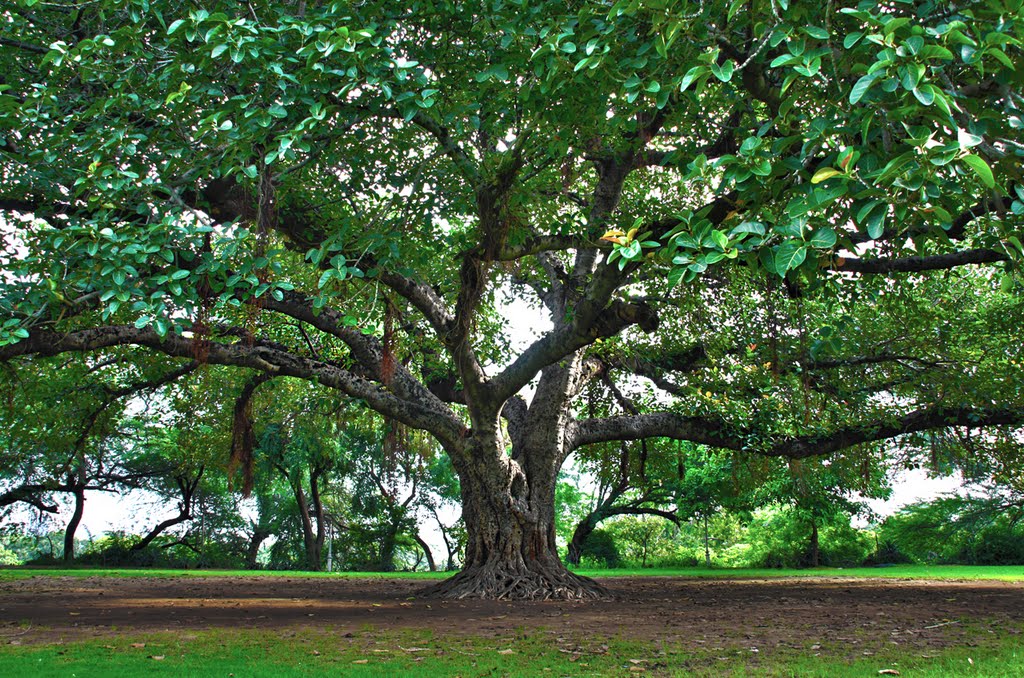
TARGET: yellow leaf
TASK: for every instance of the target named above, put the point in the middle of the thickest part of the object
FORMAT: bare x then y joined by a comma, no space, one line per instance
614,235
823,174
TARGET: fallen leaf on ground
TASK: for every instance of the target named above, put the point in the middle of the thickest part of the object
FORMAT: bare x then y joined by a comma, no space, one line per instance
361,661
157,657
888,672
507,651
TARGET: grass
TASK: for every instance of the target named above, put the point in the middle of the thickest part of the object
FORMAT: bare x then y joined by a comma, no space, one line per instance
308,651
966,572
370,653
22,572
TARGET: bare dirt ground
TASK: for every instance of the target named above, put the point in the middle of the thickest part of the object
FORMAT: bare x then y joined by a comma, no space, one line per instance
857,615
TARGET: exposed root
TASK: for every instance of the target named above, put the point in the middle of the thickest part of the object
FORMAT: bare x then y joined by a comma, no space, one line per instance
505,582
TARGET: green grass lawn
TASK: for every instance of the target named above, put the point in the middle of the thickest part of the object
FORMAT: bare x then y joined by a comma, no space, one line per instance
371,653
968,572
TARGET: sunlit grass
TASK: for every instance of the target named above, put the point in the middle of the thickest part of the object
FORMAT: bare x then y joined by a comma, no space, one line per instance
966,572
535,653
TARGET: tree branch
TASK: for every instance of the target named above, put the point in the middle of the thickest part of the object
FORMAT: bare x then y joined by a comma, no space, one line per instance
936,262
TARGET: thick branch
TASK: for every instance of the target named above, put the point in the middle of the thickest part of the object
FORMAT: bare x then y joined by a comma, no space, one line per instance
936,262
430,415
715,433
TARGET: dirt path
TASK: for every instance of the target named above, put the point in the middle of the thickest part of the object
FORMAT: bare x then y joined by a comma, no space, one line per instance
768,613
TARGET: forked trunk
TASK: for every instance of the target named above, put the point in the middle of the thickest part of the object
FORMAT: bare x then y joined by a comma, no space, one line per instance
511,550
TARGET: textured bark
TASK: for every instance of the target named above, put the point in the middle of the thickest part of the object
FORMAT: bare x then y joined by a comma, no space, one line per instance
511,552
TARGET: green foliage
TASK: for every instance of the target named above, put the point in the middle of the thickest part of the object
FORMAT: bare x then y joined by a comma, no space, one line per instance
971,530
601,551
780,537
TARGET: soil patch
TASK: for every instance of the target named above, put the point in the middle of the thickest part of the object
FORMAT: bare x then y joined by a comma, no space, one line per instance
856,616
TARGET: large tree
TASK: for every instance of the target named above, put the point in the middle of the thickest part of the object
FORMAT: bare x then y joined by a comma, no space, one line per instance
701,194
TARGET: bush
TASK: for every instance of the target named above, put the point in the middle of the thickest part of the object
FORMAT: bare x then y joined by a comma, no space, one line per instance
779,537
600,551
962,530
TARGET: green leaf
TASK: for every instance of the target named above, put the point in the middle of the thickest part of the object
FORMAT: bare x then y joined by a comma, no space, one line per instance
175,26
823,238
852,39
725,71
982,169
876,223
721,239
966,139
924,95
861,87
690,76
816,32
789,256
755,227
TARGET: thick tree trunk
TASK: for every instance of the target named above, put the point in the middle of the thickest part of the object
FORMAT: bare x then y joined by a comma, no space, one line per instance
580,535
388,545
252,550
76,520
511,550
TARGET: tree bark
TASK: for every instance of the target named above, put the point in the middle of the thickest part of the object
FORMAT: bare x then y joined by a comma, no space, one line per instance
511,552
815,547
580,535
78,489
252,550
426,551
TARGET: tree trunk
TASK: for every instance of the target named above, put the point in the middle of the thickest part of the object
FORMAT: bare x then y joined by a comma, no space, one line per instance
426,551
511,552
252,551
187,487
707,543
580,535
388,545
76,520
815,550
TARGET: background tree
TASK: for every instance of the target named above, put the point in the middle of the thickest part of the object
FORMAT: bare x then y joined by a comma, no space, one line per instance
336,192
